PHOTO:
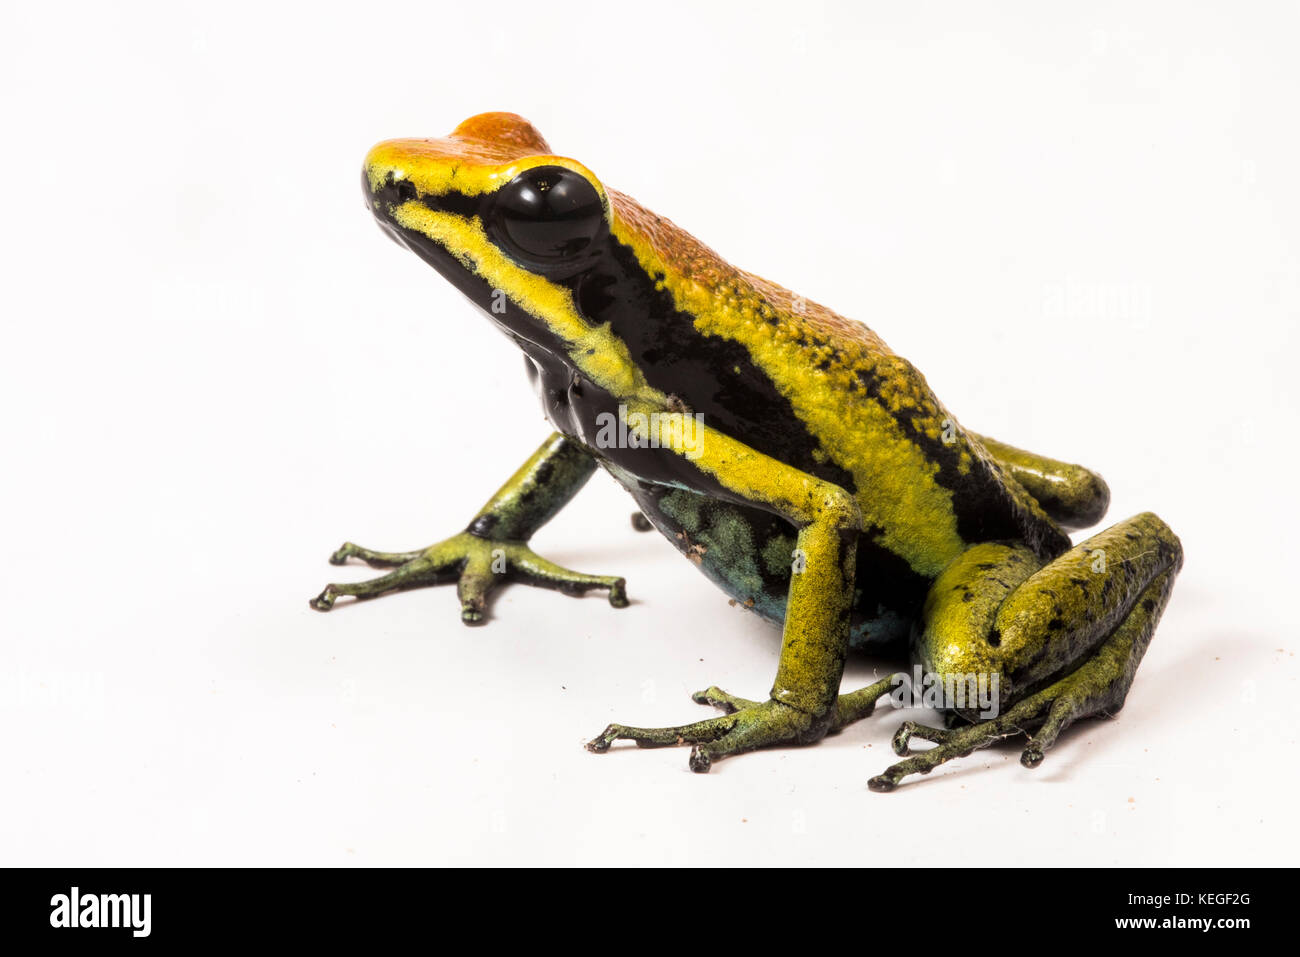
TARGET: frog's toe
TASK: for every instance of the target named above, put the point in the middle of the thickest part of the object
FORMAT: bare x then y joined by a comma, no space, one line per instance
527,566
1063,713
910,729
694,733
718,698
758,726
412,574
753,725
371,557
472,588
1050,711
325,600
924,762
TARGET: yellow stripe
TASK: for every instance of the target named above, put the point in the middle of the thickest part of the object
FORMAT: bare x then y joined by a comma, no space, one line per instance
896,481
595,350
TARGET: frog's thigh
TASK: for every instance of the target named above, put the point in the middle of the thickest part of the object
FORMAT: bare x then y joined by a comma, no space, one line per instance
1063,640
1074,497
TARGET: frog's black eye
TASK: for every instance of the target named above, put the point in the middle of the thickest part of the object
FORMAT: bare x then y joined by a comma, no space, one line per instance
547,215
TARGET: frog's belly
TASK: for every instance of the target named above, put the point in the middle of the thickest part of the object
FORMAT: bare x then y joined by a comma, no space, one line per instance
748,553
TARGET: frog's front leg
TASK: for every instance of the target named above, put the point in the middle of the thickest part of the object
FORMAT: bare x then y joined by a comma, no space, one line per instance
746,726
804,702
1064,640
494,548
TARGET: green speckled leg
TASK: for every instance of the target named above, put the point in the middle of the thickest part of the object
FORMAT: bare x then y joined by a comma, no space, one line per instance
494,548
1065,639
804,704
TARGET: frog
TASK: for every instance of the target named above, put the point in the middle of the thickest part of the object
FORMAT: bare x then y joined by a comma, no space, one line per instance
785,451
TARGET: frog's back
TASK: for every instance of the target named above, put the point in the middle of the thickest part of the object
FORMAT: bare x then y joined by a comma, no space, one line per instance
818,390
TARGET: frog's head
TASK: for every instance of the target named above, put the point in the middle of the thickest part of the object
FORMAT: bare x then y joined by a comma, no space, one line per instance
511,225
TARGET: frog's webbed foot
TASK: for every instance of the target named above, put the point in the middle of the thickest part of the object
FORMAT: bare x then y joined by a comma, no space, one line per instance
476,564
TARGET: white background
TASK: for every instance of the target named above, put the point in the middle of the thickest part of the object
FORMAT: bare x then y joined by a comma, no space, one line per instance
1081,225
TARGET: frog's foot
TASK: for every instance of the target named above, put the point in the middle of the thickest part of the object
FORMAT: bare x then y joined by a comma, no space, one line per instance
1051,711
1097,687
750,725
746,725
849,708
1064,640
476,564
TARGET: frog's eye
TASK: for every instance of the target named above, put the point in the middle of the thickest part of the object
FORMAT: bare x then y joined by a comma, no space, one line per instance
547,214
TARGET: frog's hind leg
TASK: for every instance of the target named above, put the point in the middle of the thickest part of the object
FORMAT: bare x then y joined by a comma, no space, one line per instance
1073,496
1062,641
1097,687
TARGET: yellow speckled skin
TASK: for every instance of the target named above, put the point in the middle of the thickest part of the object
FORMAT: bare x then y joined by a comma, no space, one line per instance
896,513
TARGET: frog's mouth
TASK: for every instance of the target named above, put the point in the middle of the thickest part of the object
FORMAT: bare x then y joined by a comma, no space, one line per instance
532,336
395,192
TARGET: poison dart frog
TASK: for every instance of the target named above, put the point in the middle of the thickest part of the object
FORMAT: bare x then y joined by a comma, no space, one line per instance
794,458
